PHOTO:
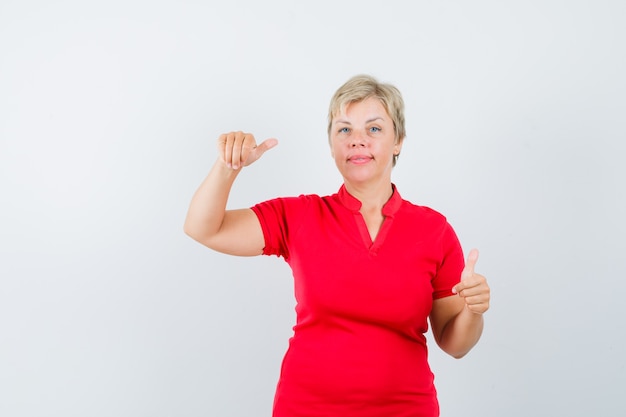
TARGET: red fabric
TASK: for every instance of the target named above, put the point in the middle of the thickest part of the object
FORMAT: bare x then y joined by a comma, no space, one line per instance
358,348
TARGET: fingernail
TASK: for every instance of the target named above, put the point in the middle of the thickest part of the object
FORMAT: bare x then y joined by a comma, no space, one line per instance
453,290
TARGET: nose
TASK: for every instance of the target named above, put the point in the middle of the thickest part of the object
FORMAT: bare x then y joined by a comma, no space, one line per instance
357,140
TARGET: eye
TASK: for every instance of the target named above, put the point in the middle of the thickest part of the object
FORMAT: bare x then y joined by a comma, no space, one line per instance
375,129
344,130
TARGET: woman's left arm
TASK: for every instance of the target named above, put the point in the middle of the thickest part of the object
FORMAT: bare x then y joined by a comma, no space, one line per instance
457,321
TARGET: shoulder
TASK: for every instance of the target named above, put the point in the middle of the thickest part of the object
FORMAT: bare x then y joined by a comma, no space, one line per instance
424,220
300,199
425,212
416,211
287,205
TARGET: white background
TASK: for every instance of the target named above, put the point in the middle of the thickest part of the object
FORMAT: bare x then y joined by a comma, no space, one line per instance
109,114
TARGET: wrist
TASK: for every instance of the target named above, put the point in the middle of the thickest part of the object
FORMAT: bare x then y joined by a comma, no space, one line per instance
224,170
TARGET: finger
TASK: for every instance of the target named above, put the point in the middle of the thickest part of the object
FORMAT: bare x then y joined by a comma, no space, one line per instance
227,148
477,298
475,281
461,288
473,288
265,146
240,137
253,153
470,265
482,298
478,308
221,145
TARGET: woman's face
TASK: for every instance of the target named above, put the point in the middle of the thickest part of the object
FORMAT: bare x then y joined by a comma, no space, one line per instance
362,141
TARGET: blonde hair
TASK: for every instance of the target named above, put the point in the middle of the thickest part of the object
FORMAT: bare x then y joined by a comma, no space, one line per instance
361,87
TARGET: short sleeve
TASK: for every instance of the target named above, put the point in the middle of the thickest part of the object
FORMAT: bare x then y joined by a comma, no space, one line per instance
451,264
279,219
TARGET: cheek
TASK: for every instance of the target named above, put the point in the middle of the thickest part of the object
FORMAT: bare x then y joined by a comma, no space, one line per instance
333,149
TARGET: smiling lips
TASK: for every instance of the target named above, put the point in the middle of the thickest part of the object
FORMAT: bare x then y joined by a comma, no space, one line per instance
359,159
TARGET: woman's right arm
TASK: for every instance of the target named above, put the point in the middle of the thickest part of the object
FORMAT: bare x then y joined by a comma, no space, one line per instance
235,232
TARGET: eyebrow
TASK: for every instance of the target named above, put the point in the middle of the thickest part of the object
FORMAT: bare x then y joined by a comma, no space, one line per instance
373,119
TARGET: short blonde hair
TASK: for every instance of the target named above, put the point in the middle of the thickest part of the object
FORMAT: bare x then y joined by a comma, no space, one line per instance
361,87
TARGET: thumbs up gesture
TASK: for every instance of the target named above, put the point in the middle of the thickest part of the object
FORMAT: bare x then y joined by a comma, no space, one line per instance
239,149
473,287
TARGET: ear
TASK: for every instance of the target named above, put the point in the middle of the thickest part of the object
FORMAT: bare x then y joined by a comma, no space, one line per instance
398,146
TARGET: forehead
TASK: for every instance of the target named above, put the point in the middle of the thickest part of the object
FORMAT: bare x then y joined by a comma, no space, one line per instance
369,108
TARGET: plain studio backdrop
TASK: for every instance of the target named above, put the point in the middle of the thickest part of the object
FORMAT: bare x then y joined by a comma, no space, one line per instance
109,116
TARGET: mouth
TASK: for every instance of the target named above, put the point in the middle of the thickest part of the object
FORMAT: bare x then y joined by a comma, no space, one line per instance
359,159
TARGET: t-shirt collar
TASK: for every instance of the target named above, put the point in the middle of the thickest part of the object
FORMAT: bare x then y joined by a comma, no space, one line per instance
353,204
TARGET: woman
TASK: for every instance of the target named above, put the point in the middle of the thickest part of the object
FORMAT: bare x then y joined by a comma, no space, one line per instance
369,267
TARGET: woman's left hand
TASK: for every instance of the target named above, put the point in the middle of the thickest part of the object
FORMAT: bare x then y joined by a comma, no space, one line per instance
473,287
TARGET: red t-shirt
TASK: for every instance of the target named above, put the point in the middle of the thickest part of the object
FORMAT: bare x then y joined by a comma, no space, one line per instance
358,348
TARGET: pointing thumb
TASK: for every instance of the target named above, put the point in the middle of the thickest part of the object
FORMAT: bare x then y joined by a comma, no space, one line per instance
266,145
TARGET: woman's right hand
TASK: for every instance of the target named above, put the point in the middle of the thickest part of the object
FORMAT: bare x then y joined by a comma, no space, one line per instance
239,149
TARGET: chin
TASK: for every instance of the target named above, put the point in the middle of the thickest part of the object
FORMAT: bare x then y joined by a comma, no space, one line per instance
357,179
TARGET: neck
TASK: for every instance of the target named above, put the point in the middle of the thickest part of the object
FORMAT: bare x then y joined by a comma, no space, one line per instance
371,196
